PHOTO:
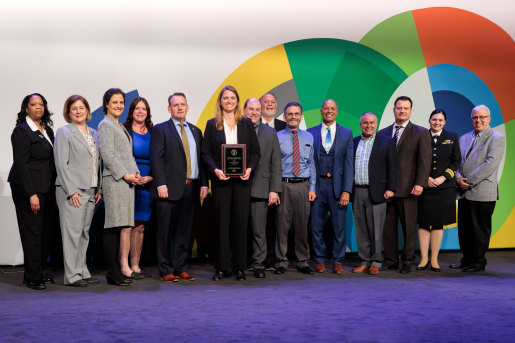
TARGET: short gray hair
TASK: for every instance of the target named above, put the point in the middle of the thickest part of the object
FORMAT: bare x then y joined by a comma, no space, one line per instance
368,114
480,107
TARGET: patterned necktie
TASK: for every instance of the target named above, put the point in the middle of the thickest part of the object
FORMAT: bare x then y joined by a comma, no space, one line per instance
396,137
296,154
328,140
186,145
472,146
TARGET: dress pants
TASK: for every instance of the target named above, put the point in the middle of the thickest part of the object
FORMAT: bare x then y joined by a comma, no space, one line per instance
174,222
326,201
404,209
369,223
34,229
294,207
258,221
474,230
75,223
231,203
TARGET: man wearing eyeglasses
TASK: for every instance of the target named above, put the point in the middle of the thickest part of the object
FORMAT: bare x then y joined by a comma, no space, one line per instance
298,190
482,151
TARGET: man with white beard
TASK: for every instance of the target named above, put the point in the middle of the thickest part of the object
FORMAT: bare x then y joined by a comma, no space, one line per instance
268,110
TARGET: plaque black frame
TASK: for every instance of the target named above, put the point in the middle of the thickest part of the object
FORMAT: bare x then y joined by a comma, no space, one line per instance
241,151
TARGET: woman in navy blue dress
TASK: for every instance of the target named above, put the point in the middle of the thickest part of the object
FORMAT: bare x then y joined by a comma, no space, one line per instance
139,125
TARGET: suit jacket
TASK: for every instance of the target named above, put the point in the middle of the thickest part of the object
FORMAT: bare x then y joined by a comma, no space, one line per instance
445,159
413,158
482,165
279,125
267,177
73,160
213,140
343,166
33,166
168,160
382,167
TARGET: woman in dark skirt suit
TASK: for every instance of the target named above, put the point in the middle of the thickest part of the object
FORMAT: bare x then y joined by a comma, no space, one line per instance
437,204
138,124
32,178
231,195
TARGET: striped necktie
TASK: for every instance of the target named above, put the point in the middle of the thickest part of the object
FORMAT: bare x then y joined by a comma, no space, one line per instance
186,145
396,137
328,140
296,154
472,146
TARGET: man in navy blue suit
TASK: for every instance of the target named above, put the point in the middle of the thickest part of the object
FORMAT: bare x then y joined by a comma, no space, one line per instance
334,152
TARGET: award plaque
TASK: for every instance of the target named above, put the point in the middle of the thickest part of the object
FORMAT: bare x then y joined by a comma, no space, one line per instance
234,161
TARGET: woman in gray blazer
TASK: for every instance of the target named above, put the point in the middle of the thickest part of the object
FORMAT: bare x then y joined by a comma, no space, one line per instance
118,179
79,184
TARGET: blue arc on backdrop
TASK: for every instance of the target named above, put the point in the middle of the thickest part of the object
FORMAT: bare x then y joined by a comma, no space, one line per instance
98,114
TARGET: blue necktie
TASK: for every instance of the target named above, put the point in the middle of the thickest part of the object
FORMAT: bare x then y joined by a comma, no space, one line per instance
328,140
472,146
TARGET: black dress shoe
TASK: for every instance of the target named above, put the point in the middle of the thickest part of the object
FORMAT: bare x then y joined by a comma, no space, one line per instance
240,275
117,280
228,273
259,273
458,265
219,275
435,269
145,274
424,267
472,269
280,270
79,283
47,280
406,268
37,285
306,270
91,280
387,266
135,276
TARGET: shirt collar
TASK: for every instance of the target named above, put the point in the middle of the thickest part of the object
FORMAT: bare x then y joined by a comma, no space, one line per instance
371,138
175,122
436,133
479,134
31,124
290,132
402,126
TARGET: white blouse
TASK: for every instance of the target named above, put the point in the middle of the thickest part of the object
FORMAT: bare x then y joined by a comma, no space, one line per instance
231,137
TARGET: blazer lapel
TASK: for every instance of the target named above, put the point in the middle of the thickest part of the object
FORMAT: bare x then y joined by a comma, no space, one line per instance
195,137
175,133
337,136
261,131
377,143
318,139
78,136
407,131
480,142
240,132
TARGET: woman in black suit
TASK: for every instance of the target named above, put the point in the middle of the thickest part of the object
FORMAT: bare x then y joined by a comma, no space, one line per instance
437,204
32,178
231,196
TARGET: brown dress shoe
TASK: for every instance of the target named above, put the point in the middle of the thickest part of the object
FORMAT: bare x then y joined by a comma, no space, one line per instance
170,278
320,268
373,270
185,276
337,269
360,269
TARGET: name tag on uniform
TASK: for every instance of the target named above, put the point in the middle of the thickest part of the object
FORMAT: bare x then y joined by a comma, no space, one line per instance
448,141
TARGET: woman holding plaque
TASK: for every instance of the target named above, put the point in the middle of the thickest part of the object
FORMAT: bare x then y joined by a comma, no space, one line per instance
230,187
437,204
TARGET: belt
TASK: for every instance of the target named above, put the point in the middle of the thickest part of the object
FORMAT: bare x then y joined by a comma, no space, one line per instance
190,181
294,179
326,177
362,186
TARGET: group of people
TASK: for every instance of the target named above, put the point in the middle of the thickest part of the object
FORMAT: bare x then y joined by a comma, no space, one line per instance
292,177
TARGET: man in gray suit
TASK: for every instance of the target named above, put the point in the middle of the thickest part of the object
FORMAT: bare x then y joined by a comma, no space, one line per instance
266,183
482,151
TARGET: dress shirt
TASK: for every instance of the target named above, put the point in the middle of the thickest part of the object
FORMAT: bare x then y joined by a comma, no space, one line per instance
401,130
231,137
256,128
362,158
477,139
324,134
33,127
435,135
271,123
306,147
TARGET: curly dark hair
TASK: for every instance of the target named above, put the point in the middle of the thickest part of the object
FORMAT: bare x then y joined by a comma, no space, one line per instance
130,118
45,120
107,97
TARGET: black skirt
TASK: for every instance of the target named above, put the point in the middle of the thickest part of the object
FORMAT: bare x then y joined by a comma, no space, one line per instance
437,207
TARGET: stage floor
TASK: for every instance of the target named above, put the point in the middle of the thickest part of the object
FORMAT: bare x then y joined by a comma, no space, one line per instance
423,306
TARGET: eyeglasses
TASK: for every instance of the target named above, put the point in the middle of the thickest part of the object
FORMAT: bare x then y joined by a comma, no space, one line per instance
480,117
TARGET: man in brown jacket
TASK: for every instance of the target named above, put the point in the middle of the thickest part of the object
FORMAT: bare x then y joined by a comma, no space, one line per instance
413,166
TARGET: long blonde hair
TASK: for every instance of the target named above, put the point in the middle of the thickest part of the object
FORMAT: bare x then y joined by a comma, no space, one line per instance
219,118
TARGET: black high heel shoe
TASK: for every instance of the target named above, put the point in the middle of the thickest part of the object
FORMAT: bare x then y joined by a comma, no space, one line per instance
424,267
116,281
436,269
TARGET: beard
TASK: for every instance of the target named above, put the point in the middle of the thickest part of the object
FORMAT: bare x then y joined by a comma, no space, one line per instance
268,114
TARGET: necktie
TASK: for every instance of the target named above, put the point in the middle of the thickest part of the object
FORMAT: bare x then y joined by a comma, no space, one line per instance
186,146
267,124
472,146
296,154
328,140
396,137
435,137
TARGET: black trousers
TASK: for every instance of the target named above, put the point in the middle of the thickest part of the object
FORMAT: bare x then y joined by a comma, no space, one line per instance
35,230
174,221
474,230
405,210
231,202
111,242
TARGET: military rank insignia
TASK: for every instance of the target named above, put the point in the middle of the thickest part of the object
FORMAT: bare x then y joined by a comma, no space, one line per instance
448,141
